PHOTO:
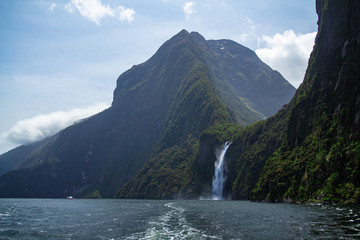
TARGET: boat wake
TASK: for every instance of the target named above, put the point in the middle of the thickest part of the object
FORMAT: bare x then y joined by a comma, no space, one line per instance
171,225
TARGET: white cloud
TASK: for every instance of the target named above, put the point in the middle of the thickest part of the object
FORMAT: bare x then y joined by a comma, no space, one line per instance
243,37
126,14
51,8
188,10
94,10
69,7
45,125
288,53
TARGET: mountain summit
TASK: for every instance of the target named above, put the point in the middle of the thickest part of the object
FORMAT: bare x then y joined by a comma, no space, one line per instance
159,110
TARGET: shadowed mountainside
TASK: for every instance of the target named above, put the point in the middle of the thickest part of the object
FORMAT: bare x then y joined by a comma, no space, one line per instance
159,107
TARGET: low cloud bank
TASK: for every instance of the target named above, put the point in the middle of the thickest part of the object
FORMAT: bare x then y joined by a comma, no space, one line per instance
45,125
288,53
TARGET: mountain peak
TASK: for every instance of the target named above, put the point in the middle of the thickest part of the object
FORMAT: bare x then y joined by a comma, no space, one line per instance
183,33
193,35
197,36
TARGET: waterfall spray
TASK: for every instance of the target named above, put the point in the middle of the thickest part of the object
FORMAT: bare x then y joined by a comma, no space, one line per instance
219,174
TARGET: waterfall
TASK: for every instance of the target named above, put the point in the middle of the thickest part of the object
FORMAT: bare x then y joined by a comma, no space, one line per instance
219,174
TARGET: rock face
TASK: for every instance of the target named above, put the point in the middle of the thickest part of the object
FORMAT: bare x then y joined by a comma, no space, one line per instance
159,110
319,157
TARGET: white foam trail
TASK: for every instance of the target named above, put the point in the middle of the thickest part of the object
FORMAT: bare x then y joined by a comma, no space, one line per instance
171,225
219,174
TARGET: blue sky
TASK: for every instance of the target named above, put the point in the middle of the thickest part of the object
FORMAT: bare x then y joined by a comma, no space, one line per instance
59,60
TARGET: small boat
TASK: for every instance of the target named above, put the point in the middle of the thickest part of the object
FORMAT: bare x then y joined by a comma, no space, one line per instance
69,198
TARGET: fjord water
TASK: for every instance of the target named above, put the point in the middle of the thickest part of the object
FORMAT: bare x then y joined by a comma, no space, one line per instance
160,219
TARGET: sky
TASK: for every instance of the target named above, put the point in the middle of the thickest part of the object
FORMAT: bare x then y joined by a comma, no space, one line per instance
59,59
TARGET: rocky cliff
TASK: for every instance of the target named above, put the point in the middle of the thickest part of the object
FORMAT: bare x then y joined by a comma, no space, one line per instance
319,156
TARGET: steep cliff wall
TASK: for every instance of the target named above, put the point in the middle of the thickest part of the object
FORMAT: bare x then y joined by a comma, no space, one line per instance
319,158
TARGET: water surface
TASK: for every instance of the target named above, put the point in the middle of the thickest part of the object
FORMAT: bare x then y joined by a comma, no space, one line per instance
148,219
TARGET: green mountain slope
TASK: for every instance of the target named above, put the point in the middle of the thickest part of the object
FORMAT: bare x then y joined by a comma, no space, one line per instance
176,171
309,150
14,159
159,110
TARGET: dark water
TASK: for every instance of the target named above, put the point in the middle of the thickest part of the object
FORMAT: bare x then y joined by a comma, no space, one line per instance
145,219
